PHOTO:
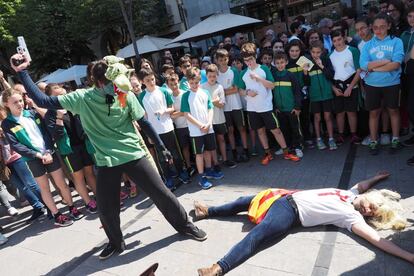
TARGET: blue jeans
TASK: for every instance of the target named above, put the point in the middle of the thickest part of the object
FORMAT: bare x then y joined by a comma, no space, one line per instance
23,179
278,221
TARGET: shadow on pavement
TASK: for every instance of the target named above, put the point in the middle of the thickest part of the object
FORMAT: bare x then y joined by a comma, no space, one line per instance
396,267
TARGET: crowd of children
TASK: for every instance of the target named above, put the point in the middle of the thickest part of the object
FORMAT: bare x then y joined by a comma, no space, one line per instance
291,94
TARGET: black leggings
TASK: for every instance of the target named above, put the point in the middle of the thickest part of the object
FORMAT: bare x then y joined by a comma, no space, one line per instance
143,173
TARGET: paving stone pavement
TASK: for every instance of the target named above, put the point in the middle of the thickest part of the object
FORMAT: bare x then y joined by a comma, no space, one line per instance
41,249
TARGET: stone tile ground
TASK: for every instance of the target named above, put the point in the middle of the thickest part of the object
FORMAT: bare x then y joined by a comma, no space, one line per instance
41,249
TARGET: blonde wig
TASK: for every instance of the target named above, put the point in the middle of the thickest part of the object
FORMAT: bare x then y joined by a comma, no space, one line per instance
389,209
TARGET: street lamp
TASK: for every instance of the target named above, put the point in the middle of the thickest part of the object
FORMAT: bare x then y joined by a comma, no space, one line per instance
126,8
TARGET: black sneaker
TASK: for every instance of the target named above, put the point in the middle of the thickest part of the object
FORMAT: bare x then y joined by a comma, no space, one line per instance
75,214
409,142
373,148
195,232
244,157
404,131
63,220
410,161
109,250
37,213
230,164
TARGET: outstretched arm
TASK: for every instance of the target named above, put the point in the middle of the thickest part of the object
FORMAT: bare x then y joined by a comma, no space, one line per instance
35,94
146,126
368,233
367,184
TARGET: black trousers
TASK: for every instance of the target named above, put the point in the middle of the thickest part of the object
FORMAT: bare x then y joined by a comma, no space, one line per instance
305,120
143,173
290,126
171,143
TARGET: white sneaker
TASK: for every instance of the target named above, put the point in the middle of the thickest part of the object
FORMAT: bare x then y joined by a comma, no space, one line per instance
3,239
299,153
12,211
385,139
366,141
279,152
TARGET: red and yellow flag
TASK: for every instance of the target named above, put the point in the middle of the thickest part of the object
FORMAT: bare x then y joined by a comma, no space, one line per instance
261,203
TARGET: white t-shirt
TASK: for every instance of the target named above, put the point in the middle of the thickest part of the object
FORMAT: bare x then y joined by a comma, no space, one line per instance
198,105
35,135
180,122
262,102
227,80
327,206
345,63
216,91
154,101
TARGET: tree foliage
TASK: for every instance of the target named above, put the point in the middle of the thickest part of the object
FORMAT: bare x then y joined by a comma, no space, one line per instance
58,32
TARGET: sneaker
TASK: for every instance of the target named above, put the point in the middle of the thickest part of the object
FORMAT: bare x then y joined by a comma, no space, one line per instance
3,239
75,214
410,161
299,153
63,221
266,159
332,144
230,164
170,184
320,144
404,131
409,142
184,177
195,232
355,140
340,139
213,174
373,148
366,141
204,183
395,146
37,213
385,139
244,157
237,158
291,156
123,195
279,152
91,206
254,152
12,211
109,250
133,191
309,144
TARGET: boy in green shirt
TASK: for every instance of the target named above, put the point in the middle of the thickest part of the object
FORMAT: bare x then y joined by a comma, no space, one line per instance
287,102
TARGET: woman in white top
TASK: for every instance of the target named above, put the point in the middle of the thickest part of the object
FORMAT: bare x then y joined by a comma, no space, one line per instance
353,209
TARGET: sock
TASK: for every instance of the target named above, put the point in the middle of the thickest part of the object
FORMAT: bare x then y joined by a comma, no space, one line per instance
267,151
395,138
246,151
331,138
285,151
319,139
